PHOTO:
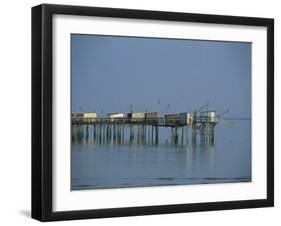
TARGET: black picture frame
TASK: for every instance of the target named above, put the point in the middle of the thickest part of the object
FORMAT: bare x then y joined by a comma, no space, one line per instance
42,107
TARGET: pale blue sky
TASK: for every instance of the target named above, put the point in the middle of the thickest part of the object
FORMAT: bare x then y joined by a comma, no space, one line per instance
109,73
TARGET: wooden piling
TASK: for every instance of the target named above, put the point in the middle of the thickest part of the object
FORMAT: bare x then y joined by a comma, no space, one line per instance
119,133
114,133
87,134
152,134
132,133
107,133
73,132
138,140
176,135
156,134
172,135
186,134
193,137
212,133
202,133
100,133
182,134
95,133
123,133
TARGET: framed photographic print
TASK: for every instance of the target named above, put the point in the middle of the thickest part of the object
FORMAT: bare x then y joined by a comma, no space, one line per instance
145,112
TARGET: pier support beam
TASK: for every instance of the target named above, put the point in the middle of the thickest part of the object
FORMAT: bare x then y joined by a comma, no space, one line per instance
80,133
114,133
94,133
152,134
203,133
87,134
119,132
148,134
107,133
73,131
182,134
123,133
142,133
139,134
212,133
176,136
193,136
186,134
132,136
100,133
156,134
103,133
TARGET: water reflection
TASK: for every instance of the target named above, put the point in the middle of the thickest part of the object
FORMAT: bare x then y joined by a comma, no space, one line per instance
114,157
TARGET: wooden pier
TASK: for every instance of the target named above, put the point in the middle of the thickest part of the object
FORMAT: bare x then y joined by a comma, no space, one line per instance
143,130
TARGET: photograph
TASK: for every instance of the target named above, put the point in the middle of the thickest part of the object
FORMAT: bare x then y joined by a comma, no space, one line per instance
154,111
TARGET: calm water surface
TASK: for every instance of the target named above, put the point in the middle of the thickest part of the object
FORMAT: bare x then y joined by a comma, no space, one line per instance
95,166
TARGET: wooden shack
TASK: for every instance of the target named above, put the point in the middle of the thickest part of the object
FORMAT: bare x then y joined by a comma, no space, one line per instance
171,118
186,118
151,115
208,116
115,115
136,115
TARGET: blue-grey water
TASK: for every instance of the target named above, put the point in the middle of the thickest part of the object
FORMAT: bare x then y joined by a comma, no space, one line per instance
115,165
